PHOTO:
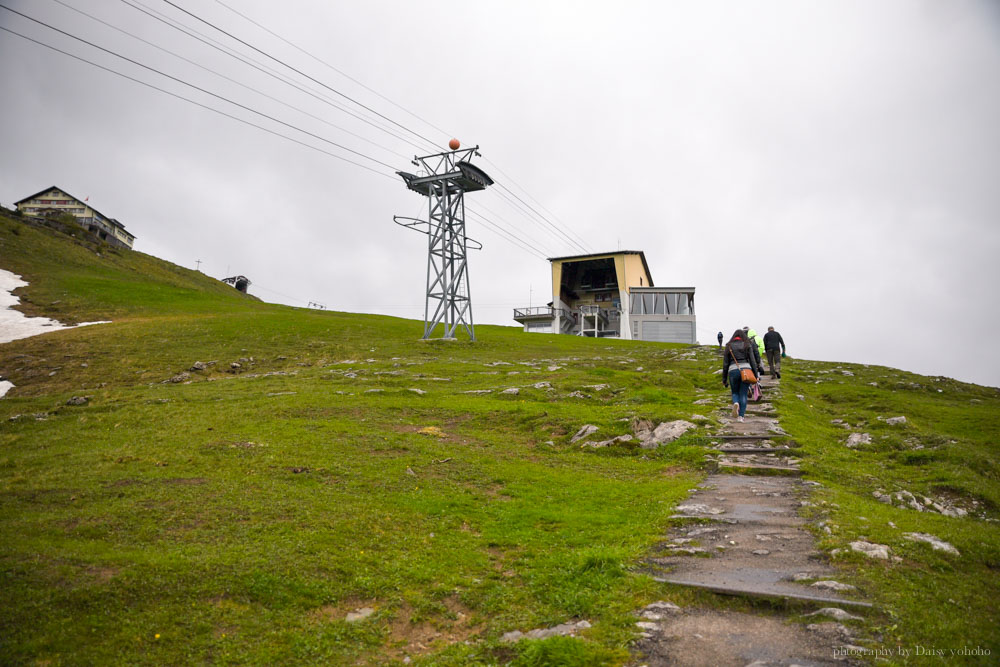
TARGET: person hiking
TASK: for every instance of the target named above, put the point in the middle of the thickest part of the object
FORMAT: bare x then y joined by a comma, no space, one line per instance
755,339
772,342
720,340
740,353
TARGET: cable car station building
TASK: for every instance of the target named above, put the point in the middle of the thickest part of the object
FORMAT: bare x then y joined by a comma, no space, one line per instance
611,295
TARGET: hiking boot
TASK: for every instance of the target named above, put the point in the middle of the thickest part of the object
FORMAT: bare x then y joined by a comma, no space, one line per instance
736,409
778,373
741,419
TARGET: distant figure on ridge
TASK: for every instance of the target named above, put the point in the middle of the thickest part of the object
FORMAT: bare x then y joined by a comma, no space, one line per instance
740,354
720,340
772,341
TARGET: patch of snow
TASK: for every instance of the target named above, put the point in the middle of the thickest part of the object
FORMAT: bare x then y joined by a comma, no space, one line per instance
15,325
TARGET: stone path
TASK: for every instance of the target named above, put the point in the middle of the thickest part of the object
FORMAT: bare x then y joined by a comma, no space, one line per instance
740,534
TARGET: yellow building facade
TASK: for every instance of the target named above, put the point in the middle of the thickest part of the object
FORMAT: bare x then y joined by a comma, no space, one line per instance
54,200
612,295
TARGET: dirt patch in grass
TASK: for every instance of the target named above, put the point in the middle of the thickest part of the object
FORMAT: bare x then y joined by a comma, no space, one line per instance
339,611
185,481
128,481
416,638
102,574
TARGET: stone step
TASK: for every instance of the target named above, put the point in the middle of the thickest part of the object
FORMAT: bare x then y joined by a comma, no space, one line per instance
761,590
758,450
751,468
744,436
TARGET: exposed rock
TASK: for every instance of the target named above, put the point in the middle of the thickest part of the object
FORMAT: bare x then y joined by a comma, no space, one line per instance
236,365
563,630
705,401
478,391
664,433
936,543
596,387
359,614
882,497
198,366
761,552
699,508
513,391
181,377
584,431
880,551
836,614
577,394
892,421
553,368
855,439
78,400
830,585
374,391
830,629
542,385
499,363
662,606
605,443
699,418
420,392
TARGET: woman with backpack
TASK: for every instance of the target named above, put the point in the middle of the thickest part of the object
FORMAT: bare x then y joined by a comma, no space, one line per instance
740,368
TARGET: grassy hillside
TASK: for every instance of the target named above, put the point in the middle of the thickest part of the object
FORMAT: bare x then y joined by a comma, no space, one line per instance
323,462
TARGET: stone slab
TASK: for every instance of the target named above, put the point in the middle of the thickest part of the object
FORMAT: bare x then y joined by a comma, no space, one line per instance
763,590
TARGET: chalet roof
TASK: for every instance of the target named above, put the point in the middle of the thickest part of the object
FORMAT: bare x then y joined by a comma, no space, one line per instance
56,187
598,255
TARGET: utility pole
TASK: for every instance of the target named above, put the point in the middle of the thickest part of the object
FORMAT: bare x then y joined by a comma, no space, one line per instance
445,180
199,265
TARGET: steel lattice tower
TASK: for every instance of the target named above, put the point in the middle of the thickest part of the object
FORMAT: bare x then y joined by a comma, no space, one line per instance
447,177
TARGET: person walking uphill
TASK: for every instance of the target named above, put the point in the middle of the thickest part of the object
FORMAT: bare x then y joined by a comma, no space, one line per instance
740,353
772,341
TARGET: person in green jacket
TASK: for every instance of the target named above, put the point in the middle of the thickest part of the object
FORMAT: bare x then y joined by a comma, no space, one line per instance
756,339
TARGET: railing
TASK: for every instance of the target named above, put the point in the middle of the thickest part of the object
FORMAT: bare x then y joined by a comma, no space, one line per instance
590,311
538,311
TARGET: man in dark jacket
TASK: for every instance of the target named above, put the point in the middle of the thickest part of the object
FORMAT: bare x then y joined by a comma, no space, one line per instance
772,342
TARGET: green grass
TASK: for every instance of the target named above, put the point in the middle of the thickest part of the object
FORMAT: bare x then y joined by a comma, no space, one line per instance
237,517
947,449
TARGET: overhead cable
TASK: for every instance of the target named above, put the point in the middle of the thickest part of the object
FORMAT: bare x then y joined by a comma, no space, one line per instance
338,71
545,220
300,72
193,34
196,103
230,79
200,89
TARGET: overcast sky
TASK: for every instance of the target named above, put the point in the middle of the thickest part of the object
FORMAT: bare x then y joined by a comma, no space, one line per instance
828,168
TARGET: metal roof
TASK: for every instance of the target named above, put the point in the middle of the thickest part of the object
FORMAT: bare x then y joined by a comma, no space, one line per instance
601,255
662,289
